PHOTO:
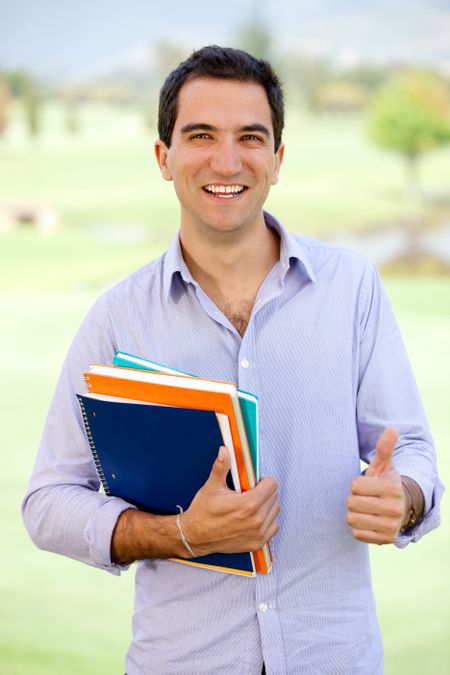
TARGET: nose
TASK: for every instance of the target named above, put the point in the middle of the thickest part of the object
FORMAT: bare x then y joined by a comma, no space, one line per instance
226,159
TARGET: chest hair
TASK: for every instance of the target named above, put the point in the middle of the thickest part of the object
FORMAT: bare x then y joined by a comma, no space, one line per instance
238,313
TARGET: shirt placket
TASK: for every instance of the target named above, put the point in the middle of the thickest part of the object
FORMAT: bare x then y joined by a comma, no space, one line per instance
265,584
246,369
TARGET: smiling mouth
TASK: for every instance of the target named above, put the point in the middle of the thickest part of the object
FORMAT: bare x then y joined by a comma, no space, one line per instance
225,191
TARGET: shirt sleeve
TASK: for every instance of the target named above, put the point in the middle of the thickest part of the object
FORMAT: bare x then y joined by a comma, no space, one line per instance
388,396
63,510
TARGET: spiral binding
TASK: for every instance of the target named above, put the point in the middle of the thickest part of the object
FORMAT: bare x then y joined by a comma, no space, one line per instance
95,456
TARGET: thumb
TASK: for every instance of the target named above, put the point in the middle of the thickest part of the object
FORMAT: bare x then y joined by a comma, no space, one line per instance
220,468
382,461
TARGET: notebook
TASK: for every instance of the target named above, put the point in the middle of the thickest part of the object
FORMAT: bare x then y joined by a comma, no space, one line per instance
184,392
158,457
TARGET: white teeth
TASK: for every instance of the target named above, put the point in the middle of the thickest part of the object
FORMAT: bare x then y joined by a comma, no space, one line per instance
224,189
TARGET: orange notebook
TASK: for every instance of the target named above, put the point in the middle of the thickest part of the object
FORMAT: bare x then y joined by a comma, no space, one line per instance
196,393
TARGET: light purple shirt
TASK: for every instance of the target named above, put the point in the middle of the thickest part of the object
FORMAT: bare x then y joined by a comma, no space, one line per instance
323,352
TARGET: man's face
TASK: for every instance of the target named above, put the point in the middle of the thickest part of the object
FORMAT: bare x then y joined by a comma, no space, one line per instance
222,158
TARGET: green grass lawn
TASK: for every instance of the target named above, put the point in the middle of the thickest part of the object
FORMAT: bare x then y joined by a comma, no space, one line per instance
56,615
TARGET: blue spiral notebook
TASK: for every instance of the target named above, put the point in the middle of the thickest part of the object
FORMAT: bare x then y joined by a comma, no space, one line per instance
157,457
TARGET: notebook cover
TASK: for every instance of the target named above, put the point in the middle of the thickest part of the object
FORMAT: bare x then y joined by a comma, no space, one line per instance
170,394
187,398
157,457
250,415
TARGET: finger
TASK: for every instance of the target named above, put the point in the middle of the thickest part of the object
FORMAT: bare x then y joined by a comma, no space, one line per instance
220,468
371,537
260,498
273,512
375,506
374,523
373,486
266,486
271,531
382,461
270,509
265,525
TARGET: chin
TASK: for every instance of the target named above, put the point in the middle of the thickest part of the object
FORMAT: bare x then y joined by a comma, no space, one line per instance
228,226
230,222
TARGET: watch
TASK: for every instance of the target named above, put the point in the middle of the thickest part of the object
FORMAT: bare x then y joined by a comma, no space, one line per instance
413,515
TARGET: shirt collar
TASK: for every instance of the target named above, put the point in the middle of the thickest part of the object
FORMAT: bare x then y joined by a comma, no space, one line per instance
291,250
175,268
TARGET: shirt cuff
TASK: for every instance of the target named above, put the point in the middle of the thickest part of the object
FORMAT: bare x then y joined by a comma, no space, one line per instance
414,464
99,531
431,518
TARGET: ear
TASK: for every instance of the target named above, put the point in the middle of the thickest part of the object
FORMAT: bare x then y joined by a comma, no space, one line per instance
162,157
279,156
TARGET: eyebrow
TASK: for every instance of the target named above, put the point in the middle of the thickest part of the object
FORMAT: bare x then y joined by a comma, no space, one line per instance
202,126
197,126
261,128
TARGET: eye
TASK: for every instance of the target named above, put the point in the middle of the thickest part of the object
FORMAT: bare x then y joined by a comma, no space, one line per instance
252,138
200,136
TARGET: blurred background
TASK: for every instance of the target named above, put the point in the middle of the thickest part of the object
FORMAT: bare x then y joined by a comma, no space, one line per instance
82,204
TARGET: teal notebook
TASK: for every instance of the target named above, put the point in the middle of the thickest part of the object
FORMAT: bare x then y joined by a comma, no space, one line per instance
249,402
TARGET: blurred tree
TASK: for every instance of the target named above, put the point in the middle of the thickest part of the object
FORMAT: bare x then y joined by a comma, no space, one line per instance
111,90
306,75
411,115
5,105
71,112
150,113
370,77
339,96
255,38
18,81
32,102
168,55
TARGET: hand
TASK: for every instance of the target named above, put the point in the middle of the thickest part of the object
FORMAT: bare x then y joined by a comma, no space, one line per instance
377,504
225,521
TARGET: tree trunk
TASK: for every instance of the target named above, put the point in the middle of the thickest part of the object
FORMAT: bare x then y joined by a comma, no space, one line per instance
5,106
414,210
412,169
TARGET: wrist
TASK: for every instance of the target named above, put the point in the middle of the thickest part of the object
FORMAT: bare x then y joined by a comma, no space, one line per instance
142,536
414,500
187,548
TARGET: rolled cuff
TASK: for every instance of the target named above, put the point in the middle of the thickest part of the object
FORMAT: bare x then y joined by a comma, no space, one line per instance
431,518
98,534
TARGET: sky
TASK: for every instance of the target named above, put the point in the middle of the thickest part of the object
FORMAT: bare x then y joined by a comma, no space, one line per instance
58,38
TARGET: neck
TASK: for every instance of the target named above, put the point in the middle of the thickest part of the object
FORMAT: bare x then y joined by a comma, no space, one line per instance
233,265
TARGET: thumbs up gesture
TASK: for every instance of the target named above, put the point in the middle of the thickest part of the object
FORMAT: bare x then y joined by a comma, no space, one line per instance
377,504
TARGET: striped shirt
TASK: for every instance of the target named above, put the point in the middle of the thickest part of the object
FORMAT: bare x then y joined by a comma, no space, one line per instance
323,352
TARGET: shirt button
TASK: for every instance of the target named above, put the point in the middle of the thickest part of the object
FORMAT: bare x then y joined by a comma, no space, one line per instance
263,607
245,363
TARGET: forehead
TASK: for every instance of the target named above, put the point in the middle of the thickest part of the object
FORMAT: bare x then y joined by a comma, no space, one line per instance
222,103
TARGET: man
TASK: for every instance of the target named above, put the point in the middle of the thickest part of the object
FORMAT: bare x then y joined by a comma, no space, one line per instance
308,328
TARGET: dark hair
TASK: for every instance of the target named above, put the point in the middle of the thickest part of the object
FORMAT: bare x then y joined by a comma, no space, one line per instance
221,63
